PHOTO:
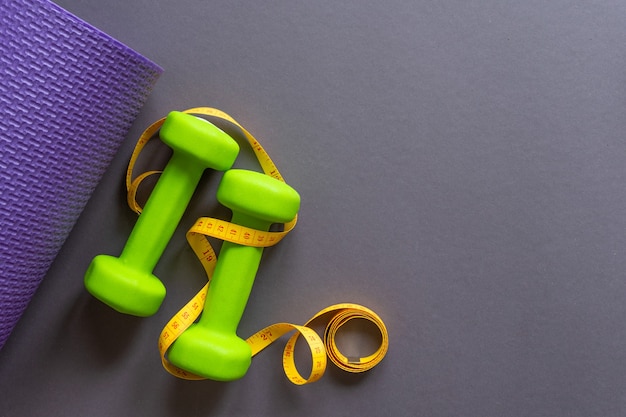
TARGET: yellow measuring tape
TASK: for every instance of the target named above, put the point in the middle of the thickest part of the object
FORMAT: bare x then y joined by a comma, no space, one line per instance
337,315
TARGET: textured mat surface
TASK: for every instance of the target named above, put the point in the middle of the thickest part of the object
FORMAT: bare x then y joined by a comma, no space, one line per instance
68,95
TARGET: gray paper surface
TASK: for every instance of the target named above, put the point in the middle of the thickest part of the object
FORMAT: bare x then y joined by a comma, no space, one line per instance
461,167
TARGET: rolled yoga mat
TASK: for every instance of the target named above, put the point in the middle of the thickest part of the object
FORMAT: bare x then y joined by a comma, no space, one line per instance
68,96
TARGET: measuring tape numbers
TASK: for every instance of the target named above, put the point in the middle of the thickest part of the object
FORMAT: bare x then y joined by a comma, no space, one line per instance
321,348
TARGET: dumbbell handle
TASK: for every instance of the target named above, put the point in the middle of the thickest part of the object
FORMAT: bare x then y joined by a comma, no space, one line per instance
232,280
163,211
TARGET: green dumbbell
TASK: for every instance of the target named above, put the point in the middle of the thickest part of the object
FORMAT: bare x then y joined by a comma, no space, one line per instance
211,347
127,283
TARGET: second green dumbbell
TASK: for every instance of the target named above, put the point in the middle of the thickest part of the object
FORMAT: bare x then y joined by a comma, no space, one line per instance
211,347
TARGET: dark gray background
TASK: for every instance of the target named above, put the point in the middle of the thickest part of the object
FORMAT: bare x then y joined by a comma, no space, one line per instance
461,167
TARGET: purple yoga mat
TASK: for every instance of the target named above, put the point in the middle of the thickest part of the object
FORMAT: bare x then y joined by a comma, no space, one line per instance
68,96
